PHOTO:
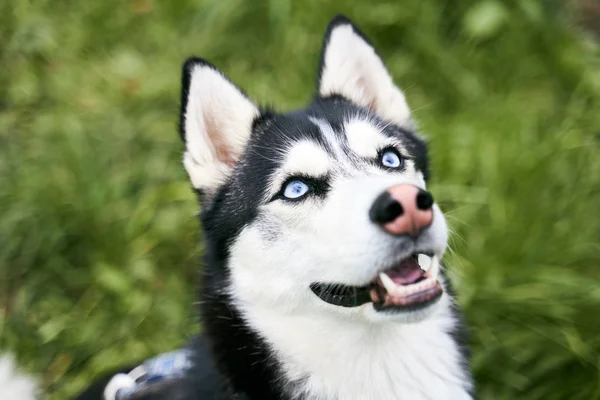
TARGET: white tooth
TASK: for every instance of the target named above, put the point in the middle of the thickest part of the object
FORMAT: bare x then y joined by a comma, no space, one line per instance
424,262
388,283
403,291
434,268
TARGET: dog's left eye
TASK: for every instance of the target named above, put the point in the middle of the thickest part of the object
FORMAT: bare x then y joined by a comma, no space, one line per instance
391,159
295,189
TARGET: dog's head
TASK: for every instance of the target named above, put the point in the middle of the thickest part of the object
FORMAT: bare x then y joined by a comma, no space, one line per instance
322,210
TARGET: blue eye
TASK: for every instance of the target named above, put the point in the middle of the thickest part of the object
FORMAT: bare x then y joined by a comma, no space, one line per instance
295,189
391,159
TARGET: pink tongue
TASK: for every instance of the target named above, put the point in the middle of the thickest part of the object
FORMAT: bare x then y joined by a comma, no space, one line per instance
406,273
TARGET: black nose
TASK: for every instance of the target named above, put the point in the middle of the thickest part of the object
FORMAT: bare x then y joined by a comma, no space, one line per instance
385,209
424,200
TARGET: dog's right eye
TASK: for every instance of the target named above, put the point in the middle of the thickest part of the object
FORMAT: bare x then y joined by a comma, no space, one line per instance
295,189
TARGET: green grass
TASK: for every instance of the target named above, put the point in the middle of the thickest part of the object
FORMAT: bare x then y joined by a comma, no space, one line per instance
98,240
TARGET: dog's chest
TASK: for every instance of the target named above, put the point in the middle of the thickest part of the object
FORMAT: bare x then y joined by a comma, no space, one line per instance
325,360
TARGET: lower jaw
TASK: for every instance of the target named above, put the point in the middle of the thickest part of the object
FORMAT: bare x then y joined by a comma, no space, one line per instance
427,299
410,315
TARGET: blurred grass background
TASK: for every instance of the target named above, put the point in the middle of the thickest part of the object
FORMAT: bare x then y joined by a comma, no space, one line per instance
98,240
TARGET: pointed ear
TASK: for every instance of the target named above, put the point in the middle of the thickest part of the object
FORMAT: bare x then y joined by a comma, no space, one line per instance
215,123
350,67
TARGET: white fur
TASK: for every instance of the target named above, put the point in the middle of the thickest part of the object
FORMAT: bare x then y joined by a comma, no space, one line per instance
333,352
306,157
365,139
346,353
218,121
353,69
347,358
13,384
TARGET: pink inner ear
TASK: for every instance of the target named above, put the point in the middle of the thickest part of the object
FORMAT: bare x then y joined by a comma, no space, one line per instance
373,105
369,100
222,150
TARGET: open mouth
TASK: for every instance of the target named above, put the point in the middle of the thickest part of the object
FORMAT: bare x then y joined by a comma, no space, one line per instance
409,285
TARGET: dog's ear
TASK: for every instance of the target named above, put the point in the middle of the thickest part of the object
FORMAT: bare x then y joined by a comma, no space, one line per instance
351,67
215,124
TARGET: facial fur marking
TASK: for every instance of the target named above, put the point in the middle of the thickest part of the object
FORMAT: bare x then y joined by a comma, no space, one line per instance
308,158
305,158
366,139
329,135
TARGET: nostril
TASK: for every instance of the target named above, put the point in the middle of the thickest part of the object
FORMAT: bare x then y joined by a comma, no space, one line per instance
424,200
385,209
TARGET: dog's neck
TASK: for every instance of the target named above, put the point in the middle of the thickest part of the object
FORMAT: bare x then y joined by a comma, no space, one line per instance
324,358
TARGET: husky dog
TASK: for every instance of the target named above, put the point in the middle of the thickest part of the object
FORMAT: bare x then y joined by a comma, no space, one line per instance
322,276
